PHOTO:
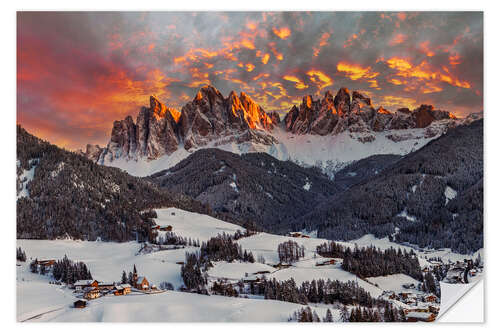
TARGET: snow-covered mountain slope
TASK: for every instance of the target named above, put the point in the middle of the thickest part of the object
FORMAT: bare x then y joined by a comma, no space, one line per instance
330,152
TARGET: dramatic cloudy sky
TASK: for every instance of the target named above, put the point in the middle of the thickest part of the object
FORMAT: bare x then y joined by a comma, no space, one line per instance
78,72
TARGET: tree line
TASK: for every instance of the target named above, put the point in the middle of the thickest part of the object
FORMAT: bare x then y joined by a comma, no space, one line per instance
371,261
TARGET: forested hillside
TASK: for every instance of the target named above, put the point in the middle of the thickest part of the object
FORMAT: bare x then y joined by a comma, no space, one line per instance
431,197
61,194
254,187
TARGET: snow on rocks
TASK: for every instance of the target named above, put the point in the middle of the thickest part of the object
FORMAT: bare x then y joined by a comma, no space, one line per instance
449,194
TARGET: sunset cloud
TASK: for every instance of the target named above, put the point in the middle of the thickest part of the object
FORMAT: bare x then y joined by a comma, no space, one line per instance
78,72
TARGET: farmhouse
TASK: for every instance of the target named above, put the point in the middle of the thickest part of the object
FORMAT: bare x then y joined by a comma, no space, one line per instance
326,262
80,303
91,293
166,228
81,284
47,262
431,298
297,234
105,286
122,289
251,279
262,272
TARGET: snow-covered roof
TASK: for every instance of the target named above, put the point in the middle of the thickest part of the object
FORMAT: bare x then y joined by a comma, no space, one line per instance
126,285
83,282
418,315
140,279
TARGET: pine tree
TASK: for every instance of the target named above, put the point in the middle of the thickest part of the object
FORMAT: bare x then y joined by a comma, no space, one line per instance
124,278
329,317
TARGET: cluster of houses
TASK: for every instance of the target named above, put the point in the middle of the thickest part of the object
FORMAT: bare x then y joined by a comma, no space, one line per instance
92,289
417,307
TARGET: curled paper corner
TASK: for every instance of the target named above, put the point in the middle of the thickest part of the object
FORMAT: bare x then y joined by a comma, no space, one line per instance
451,294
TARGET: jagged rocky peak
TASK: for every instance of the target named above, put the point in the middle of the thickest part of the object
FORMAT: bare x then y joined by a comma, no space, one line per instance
161,111
160,130
342,101
210,116
356,114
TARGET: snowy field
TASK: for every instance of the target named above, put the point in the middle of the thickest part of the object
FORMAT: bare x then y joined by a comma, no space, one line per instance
37,300
194,225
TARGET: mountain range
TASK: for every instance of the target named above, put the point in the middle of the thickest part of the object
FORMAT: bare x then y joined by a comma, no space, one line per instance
341,128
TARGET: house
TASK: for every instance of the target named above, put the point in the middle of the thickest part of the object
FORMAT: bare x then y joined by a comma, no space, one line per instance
142,283
166,228
91,293
251,279
81,284
106,286
297,234
80,303
122,289
118,291
155,227
47,263
326,262
127,288
420,316
282,265
262,272
431,299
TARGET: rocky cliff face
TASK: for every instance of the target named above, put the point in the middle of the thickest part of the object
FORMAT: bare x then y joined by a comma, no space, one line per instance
161,130
212,119
331,115
210,116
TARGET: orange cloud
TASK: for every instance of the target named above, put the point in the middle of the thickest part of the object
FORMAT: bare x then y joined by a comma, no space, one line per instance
431,88
424,47
250,67
319,78
397,101
265,58
298,82
282,33
350,40
398,39
355,72
323,41
455,59
277,54
423,72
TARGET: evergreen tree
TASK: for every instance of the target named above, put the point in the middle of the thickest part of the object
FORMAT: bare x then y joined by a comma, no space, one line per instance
124,278
329,317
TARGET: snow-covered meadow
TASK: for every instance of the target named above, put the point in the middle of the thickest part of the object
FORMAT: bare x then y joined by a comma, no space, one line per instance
37,300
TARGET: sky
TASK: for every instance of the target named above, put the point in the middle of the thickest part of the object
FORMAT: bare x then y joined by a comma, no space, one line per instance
77,72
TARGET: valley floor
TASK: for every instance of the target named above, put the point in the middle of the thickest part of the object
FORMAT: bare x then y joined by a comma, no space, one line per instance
39,300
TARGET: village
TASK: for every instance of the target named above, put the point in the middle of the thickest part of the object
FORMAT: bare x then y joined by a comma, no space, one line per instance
241,278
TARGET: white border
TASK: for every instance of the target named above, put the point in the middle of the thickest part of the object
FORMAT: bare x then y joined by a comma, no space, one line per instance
8,23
